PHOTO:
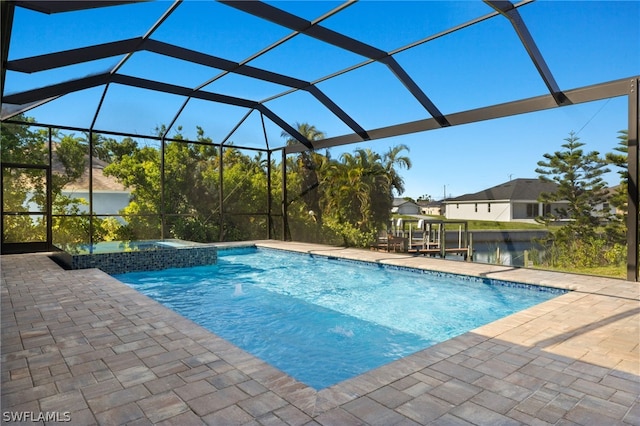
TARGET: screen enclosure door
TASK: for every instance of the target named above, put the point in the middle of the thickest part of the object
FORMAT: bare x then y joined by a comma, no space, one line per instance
26,218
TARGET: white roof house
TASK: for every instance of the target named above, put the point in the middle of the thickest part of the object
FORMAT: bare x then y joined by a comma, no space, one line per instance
513,201
402,206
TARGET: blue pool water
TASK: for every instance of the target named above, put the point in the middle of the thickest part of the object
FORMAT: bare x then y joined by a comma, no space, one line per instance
323,320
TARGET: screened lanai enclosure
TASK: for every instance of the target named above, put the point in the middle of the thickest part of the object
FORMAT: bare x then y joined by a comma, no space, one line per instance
217,121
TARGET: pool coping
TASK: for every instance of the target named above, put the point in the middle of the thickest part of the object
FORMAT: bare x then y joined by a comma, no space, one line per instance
530,366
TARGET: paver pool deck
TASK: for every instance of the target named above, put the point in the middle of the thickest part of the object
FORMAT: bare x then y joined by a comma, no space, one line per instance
82,346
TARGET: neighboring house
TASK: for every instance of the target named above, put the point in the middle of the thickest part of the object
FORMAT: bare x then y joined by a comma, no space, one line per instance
402,206
513,201
605,209
109,196
430,208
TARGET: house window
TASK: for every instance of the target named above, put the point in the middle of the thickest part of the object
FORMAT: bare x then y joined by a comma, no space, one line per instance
532,210
476,207
489,207
457,206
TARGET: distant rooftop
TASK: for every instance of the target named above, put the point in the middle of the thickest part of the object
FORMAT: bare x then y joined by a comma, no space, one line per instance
516,189
100,181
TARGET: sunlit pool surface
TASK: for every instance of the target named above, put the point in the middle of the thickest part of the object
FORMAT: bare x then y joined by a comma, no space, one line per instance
324,320
125,246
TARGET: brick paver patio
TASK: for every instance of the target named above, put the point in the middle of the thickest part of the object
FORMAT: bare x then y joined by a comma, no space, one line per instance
84,347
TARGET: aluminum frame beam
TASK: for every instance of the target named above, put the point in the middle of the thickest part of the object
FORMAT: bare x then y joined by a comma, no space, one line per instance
76,56
101,51
595,92
55,90
106,78
60,6
633,196
257,73
73,56
293,22
509,11
7,9
215,97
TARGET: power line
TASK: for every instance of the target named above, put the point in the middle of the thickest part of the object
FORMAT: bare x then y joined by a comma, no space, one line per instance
594,116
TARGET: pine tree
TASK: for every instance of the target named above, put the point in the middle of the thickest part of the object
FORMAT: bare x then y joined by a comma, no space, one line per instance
579,176
617,229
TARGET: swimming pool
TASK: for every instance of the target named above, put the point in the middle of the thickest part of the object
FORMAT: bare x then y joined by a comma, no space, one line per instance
323,320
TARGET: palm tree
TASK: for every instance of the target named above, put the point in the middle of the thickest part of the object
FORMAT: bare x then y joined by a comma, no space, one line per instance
308,165
392,158
367,184
305,129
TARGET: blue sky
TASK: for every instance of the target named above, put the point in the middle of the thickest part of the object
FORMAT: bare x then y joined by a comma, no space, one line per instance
583,42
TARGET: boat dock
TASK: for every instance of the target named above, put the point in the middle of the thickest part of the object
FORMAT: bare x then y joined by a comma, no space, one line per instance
425,237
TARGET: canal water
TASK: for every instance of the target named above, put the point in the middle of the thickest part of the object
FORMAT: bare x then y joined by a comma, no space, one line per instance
502,247
511,254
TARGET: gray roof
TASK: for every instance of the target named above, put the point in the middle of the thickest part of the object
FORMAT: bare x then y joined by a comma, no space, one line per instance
397,202
101,182
430,203
516,189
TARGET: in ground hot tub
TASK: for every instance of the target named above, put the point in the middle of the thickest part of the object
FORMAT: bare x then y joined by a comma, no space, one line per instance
118,257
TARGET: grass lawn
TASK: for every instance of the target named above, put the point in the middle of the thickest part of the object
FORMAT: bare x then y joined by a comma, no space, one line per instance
612,271
484,225
493,225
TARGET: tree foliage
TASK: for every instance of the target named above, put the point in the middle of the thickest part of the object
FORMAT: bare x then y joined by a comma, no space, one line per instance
350,198
309,166
580,184
617,229
581,240
189,194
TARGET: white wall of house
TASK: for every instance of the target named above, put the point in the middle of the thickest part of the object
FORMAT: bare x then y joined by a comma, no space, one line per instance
104,202
606,210
501,211
479,210
431,211
408,208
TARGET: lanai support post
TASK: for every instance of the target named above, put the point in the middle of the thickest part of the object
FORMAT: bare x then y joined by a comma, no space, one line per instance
633,217
286,234
91,212
269,199
163,216
49,192
221,194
